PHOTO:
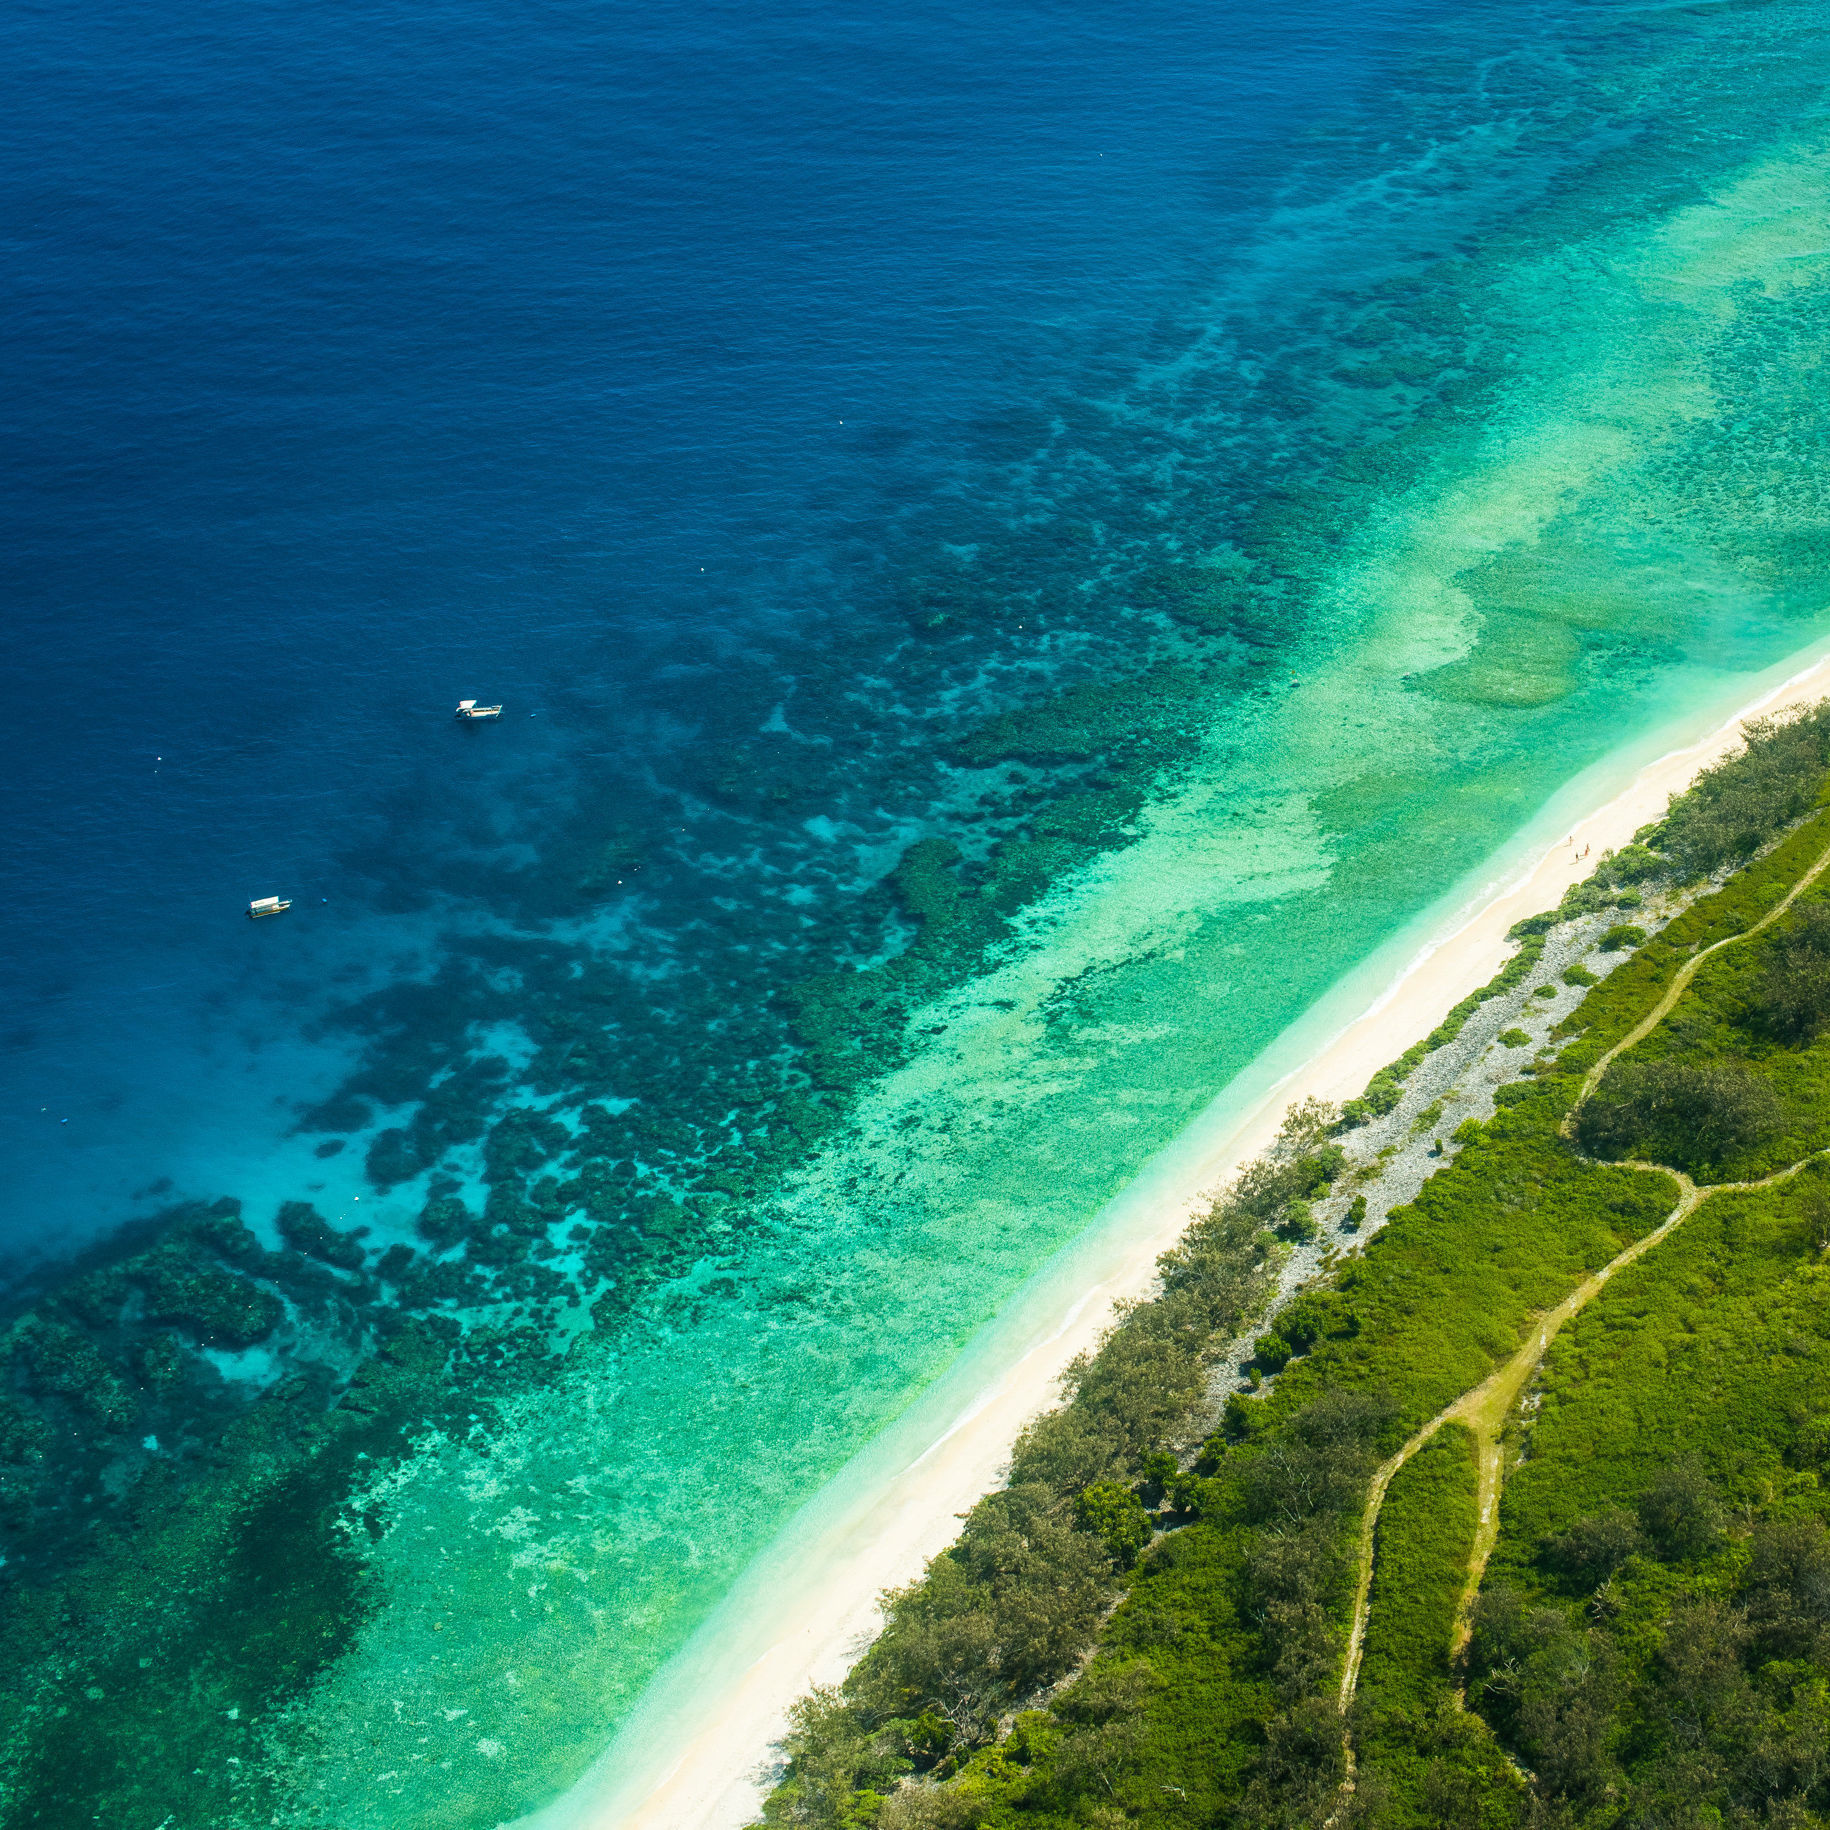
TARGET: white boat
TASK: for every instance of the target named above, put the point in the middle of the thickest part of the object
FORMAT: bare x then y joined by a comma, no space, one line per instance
468,708
268,905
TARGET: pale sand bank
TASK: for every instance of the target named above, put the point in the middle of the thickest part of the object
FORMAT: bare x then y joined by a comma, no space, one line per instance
695,1756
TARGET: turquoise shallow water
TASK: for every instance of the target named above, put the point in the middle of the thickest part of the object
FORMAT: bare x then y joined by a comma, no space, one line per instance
744,1041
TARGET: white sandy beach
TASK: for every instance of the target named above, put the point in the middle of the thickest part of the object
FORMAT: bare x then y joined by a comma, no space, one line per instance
697,1755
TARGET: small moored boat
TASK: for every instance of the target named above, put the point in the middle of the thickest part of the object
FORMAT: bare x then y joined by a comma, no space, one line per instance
468,708
268,905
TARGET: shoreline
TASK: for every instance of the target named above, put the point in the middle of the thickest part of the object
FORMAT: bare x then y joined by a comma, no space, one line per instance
695,1753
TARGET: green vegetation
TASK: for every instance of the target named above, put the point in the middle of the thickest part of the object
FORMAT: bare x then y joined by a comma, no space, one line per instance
1425,1536
1651,1642
1239,1612
1792,997
1691,1114
1655,1630
1735,1081
1013,1605
1735,807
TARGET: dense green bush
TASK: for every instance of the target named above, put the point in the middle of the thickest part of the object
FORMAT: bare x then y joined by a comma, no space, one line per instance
1271,1353
1595,1546
1300,1776
1267,1188
1318,1462
1693,1115
1681,1512
1297,1223
1295,1578
1116,1517
1003,1612
1102,1718
1794,991
1785,1587
1551,1687
1704,1709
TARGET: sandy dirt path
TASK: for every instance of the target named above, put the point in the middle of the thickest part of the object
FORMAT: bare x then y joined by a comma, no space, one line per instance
1485,1409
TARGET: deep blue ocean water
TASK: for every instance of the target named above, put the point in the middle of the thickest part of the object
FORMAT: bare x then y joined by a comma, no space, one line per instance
1219,474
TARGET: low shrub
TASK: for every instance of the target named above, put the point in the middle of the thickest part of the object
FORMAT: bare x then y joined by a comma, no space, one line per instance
1793,997
1693,1115
1425,1536
1297,1223
1681,1512
1240,1418
1593,1548
1116,1517
1271,1353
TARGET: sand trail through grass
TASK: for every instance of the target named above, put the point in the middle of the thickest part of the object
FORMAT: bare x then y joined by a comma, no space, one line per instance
1485,1409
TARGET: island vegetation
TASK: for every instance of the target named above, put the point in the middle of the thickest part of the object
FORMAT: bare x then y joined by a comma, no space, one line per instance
1493,1496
